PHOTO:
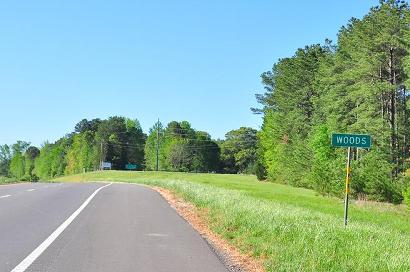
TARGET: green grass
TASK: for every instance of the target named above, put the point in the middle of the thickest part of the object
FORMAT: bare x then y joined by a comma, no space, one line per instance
291,229
6,180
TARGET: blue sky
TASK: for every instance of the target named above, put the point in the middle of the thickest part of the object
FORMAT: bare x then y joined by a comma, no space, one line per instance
62,61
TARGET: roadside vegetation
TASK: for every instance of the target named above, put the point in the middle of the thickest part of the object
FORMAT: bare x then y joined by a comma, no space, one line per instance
121,141
291,229
357,84
5,180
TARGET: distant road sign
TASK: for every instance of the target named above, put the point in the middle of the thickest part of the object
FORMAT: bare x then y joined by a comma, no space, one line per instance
106,165
351,140
130,166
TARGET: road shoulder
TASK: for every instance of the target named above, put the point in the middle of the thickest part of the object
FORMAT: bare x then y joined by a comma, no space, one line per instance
235,260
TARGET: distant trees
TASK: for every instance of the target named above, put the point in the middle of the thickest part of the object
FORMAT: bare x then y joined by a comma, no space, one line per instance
136,139
239,151
30,156
358,85
17,166
155,141
5,158
52,159
120,141
87,125
80,155
17,162
181,148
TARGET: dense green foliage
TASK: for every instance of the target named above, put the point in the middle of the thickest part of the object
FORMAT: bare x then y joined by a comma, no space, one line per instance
289,229
356,86
117,140
121,142
20,159
181,148
52,160
5,157
239,151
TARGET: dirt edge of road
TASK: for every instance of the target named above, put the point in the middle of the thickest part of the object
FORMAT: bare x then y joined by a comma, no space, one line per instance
230,256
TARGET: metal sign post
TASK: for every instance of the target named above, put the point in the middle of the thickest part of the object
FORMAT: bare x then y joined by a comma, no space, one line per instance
347,186
350,141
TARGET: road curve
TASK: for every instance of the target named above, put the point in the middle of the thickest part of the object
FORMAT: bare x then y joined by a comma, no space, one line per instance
124,227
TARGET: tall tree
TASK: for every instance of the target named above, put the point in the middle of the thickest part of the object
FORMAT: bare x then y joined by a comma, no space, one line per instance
239,150
52,160
358,86
120,141
17,162
181,148
5,157
291,90
30,156
87,125
80,153
155,140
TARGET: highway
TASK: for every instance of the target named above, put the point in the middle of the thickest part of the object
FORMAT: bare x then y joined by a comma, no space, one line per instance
96,227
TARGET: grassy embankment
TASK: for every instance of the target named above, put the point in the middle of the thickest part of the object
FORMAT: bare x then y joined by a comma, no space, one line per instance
292,229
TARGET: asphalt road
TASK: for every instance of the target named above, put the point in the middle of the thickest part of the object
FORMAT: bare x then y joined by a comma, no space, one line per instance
76,227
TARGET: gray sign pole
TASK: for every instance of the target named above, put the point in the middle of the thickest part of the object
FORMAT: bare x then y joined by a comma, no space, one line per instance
347,189
350,141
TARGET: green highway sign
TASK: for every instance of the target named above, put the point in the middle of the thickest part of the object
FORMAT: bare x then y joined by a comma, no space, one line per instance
351,140
130,166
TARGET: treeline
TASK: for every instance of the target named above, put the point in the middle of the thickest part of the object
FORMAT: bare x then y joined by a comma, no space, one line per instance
358,85
181,148
120,142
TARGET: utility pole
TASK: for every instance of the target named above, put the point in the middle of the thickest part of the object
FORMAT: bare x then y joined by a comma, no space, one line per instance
101,158
157,147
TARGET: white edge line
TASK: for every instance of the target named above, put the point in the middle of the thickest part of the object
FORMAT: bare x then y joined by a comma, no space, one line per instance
21,267
4,196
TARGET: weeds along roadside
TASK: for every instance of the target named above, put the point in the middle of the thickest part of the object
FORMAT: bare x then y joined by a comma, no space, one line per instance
293,238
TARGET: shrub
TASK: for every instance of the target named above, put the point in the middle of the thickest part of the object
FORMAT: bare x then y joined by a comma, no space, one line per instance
260,171
406,190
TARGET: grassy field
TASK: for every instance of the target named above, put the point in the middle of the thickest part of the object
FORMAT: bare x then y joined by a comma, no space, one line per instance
291,229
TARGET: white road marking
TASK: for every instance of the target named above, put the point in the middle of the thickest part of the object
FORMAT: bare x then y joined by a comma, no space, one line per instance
157,235
5,196
30,190
21,267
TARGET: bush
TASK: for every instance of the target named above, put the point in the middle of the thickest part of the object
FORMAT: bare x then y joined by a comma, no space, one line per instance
327,164
406,190
7,179
25,178
406,195
34,178
373,179
260,171
31,178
